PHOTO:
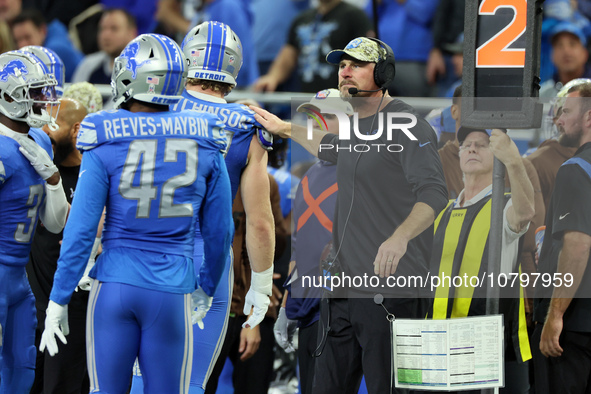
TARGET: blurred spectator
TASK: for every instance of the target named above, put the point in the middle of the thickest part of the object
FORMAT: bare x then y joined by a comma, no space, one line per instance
272,19
30,28
6,40
569,56
144,12
86,94
556,12
312,34
406,27
9,9
63,10
448,27
116,29
234,13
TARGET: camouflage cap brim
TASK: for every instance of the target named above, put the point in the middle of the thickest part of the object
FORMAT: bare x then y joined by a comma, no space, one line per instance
361,48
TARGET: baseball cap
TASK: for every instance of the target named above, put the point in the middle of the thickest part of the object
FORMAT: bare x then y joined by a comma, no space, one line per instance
329,99
567,27
464,131
361,48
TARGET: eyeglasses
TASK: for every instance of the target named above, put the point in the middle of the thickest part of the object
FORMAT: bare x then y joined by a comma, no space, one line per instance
477,145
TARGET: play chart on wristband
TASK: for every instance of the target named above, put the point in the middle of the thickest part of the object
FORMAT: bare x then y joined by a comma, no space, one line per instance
456,354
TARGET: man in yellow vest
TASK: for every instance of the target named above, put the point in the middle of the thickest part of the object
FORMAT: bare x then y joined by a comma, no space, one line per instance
461,242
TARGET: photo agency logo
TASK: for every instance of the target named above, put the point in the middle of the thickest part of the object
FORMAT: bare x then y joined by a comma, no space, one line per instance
380,139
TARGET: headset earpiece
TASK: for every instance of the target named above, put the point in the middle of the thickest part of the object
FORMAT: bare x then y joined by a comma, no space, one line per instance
385,69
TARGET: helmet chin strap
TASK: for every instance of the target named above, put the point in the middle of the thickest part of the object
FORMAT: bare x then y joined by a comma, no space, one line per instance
124,97
52,124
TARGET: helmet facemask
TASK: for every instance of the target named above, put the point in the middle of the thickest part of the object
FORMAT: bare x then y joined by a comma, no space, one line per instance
27,90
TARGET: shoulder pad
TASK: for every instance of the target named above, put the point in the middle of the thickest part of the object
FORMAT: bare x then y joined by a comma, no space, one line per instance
87,135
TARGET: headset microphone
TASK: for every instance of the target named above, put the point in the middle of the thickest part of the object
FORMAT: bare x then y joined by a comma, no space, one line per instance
355,90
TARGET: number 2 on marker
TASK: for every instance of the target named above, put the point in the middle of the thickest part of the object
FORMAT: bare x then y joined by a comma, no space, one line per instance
494,52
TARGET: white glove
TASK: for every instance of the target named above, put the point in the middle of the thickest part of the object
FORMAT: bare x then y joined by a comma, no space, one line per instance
257,298
86,282
56,323
284,330
200,303
38,157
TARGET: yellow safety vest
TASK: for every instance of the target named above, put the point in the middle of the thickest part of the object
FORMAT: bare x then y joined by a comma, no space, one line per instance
460,247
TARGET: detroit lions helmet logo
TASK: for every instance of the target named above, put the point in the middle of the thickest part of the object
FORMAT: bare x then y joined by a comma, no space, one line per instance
14,67
129,53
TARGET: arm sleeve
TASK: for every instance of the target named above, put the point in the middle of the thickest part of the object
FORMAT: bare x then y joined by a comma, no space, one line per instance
440,23
54,212
217,228
330,155
80,232
571,201
422,166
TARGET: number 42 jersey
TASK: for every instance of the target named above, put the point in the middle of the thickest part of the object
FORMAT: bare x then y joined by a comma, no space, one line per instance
156,173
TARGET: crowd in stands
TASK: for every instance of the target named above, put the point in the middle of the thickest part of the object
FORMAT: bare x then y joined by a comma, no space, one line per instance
284,40
285,43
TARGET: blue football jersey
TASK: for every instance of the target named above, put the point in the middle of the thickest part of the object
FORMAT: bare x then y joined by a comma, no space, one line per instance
240,127
157,174
22,194
42,139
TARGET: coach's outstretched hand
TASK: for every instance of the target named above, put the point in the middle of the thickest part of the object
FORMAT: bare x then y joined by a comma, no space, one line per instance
56,323
272,123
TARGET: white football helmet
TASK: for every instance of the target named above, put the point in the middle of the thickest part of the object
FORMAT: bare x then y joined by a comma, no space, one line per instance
27,89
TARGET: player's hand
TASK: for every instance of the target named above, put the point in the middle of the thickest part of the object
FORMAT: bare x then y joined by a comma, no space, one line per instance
56,323
284,331
257,298
38,157
272,123
550,339
389,255
249,342
200,304
86,282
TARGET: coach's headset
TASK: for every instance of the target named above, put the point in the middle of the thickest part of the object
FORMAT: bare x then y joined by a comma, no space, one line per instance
385,69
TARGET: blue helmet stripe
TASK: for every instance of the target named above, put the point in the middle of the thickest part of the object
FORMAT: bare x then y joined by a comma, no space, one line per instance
176,77
220,62
216,34
209,47
179,66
